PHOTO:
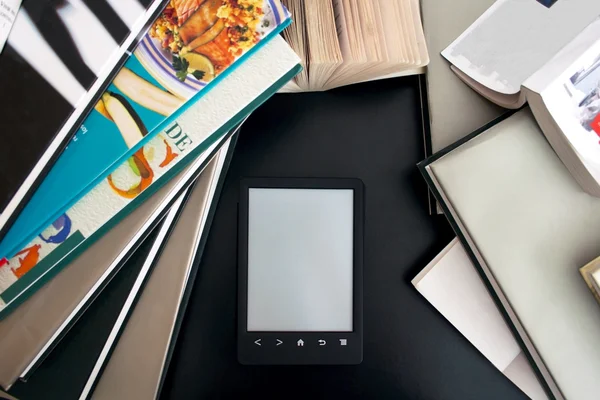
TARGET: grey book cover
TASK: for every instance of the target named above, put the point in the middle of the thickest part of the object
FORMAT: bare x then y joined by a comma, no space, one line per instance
528,227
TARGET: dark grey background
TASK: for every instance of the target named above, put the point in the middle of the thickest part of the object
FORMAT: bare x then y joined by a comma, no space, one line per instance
370,131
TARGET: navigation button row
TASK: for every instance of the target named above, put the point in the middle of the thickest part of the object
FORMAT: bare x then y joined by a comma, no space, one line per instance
300,342
258,342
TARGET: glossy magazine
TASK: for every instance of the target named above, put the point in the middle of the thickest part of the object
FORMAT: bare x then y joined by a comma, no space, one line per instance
52,77
186,52
105,205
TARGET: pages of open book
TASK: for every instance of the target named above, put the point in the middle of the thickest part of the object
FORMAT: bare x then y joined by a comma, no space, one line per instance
451,284
591,275
295,36
324,54
514,38
342,42
569,86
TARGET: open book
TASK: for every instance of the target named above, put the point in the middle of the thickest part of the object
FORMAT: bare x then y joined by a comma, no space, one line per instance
342,42
549,58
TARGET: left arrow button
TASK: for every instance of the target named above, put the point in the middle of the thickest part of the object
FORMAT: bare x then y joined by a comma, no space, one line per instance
257,342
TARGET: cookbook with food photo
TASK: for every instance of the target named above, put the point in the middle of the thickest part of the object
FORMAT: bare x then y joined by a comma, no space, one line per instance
187,51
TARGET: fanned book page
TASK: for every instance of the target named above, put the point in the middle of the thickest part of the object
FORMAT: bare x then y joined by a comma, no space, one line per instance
342,42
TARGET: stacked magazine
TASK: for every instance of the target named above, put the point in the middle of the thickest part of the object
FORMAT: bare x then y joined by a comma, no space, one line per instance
123,120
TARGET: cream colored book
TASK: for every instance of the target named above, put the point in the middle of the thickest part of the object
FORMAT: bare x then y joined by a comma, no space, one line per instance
451,284
141,346
341,42
528,228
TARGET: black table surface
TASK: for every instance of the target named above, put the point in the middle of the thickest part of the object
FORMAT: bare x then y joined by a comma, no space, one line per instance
371,131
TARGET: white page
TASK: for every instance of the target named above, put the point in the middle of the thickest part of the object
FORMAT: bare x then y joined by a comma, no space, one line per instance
452,285
514,38
8,14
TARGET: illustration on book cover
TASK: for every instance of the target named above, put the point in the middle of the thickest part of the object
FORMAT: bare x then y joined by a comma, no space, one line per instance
187,47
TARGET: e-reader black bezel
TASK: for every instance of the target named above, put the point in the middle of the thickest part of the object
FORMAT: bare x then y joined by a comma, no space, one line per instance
280,348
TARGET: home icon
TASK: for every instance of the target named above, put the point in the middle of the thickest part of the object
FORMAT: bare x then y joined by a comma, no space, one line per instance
300,343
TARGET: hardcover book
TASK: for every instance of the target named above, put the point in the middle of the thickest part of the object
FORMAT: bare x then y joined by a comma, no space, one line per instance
528,227
53,310
136,358
183,58
153,165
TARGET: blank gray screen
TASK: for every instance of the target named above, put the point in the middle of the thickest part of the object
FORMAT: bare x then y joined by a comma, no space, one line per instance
300,260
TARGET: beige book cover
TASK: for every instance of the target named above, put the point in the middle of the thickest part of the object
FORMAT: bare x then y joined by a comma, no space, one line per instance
29,333
138,360
528,228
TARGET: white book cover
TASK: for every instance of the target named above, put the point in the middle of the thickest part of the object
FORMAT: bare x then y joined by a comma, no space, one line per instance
452,285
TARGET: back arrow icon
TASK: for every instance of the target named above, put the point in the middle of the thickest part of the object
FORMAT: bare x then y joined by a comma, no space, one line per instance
279,342
258,342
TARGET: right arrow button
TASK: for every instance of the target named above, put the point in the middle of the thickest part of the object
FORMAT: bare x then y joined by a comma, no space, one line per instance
279,342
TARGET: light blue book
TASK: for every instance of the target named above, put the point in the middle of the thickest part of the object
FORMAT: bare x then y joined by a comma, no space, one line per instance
191,47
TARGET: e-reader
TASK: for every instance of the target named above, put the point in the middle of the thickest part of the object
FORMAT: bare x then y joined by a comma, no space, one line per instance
300,268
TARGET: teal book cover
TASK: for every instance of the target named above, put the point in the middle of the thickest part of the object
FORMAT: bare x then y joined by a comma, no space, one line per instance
193,137
187,51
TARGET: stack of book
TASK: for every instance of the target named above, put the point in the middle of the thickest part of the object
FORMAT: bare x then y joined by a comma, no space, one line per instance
120,129
521,191
122,121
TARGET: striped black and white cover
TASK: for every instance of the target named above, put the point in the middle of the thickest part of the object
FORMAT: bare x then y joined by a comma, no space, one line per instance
59,55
